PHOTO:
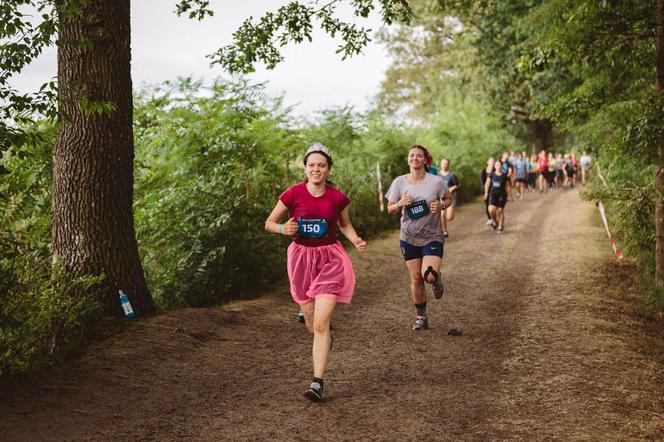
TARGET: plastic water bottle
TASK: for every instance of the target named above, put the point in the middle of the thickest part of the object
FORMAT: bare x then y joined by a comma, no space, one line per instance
126,305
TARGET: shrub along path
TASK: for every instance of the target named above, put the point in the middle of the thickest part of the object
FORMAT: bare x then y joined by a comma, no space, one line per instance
549,351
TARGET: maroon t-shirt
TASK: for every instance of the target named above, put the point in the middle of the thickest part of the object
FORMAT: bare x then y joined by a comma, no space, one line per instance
315,212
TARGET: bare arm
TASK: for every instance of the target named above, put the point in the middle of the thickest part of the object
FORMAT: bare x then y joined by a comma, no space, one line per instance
456,186
487,184
394,207
272,223
447,198
349,232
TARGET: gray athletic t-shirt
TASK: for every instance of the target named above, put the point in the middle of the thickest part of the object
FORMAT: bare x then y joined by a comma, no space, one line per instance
420,231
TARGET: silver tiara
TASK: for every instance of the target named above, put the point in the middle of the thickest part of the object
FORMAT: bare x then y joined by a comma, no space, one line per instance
318,147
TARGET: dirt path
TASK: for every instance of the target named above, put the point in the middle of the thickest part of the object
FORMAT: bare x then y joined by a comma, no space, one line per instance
547,352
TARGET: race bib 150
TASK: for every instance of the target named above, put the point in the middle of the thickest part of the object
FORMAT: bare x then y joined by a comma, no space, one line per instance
311,227
417,209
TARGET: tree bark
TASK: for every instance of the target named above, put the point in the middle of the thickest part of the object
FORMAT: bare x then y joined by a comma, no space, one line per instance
542,129
659,178
93,225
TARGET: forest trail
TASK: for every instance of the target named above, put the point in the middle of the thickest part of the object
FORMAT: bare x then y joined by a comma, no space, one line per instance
547,352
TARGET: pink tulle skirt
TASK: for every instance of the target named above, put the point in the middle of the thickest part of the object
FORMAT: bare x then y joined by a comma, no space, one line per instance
322,271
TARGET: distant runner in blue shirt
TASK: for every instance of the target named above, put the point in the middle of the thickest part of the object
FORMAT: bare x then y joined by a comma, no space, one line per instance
521,175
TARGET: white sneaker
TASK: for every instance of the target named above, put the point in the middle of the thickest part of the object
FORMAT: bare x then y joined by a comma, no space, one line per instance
488,222
421,323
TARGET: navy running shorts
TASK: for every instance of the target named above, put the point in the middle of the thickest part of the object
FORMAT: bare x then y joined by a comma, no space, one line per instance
409,251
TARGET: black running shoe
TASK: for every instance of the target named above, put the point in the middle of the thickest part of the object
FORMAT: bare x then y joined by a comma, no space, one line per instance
315,392
438,288
421,323
300,317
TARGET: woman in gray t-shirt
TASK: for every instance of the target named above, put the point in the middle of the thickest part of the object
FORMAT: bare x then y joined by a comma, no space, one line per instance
418,196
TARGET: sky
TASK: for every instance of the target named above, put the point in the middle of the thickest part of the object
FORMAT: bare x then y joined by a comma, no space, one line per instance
165,46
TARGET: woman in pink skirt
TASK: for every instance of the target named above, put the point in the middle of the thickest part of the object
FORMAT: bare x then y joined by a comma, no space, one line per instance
319,269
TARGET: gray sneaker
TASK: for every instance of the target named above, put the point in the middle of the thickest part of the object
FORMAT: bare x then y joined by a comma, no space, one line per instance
421,323
438,288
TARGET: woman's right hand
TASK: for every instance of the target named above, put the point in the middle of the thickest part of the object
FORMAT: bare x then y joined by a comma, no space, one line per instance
486,196
405,200
289,228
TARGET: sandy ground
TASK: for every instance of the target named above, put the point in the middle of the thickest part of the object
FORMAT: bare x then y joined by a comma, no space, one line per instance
554,347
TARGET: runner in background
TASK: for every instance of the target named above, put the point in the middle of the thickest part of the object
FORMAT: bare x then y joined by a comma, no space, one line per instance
508,167
319,270
432,168
533,171
551,172
512,159
585,167
543,164
569,171
453,185
560,170
575,168
417,195
497,190
486,172
520,175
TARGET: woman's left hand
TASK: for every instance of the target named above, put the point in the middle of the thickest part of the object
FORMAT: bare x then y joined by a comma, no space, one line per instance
434,206
360,244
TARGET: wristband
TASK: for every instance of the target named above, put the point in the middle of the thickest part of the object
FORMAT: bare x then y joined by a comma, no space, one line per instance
279,227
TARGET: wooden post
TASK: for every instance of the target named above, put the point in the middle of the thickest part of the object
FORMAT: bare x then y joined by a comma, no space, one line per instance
659,178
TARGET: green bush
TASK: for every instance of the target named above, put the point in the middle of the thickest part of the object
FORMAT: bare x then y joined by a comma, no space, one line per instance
623,138
42,311
210,165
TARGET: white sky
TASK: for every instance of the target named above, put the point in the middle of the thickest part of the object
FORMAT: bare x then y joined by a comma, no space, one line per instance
164,47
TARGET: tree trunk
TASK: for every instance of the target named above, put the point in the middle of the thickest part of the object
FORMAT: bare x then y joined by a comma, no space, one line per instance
659,178
542,131
93,224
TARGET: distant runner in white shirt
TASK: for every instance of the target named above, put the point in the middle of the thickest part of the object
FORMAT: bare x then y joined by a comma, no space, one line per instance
585,167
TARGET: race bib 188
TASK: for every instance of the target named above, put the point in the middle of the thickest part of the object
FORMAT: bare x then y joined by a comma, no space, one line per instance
417,209
311,227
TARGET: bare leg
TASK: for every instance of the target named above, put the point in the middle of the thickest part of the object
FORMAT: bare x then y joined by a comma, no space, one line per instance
308,312
434,263
417,291
492,212
449,213
323,310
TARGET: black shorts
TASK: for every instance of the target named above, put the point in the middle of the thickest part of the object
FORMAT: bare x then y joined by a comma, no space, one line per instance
409,251
521,180
498,200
